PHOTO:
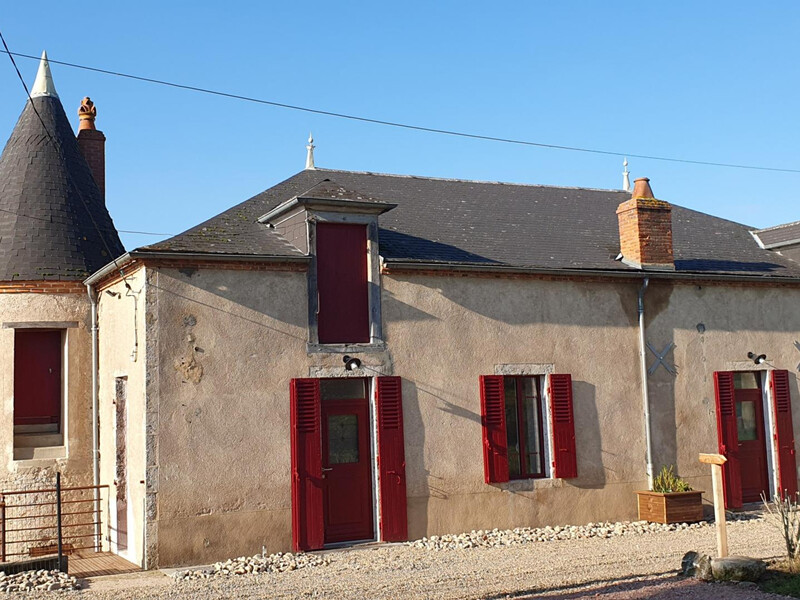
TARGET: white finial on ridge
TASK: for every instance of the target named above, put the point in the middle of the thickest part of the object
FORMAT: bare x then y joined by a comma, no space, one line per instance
44,86
310,155
626,180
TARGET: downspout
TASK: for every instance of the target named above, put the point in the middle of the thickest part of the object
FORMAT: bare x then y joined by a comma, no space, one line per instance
645,396
95,409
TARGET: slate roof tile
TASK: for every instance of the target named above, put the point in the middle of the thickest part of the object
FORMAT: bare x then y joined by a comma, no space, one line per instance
53,220
779,235
486,223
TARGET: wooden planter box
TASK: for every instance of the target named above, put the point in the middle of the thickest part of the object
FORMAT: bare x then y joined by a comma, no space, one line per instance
675,507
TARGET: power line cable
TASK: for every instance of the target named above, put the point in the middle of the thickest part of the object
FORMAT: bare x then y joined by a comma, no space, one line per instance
11,212
436,130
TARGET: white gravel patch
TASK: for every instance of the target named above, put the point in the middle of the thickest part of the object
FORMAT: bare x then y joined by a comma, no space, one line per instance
494,538
41,580
260,563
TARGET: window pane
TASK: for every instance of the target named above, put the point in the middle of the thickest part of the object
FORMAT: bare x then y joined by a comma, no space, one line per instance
342,439
533,426
745,381
342,389
512,428
746,421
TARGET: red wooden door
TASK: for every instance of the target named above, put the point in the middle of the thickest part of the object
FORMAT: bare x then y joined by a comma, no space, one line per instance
343,309
37,377
347,485
752,446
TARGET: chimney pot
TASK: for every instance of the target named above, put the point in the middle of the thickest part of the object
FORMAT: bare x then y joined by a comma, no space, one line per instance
641,188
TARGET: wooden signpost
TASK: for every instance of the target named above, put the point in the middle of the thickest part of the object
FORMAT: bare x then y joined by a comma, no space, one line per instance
716,461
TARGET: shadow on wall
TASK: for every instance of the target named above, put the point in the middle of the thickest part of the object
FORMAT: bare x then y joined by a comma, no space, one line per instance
523,302
213,288
422,485
588,440
663,413
416,473
396,310
270,295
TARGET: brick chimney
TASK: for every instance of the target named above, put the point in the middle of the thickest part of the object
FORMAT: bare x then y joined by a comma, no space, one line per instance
92,143
645,230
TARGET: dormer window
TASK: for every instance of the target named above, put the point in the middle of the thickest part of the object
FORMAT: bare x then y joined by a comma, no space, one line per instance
341,237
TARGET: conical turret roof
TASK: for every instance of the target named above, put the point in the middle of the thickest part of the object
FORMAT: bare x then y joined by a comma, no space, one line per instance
53,219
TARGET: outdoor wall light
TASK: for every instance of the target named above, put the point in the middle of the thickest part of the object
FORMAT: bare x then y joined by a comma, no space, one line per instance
351,363
760,359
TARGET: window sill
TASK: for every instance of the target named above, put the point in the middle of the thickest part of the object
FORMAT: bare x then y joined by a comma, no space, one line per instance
39,445
528,485
39,453
379,346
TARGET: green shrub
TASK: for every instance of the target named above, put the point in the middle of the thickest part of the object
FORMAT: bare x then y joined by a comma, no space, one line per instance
667,481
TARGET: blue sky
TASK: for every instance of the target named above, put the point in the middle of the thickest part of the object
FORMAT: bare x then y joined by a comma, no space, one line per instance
700,80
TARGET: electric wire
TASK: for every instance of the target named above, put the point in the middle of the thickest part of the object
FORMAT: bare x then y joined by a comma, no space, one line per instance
435,130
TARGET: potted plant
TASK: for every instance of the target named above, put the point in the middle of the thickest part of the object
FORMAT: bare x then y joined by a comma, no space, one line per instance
671,501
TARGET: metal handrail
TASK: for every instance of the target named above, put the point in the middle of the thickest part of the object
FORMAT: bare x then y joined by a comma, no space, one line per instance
49,522
53,490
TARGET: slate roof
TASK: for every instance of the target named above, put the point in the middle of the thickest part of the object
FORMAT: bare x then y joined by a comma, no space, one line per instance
491,224
779,235
53,220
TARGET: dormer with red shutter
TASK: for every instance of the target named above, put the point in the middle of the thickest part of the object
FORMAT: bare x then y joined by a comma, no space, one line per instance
338,229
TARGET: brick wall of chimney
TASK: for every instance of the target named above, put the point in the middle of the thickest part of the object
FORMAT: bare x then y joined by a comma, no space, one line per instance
92,143
645,233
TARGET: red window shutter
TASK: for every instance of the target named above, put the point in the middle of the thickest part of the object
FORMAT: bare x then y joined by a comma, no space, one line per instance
728,438
782,406
343,310
307,522
37,377
493,419
391,460
565,456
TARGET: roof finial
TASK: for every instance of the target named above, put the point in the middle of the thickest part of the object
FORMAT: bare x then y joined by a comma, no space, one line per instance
43,85
310,155
626,180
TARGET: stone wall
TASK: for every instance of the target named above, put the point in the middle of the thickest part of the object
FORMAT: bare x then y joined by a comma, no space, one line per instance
223,345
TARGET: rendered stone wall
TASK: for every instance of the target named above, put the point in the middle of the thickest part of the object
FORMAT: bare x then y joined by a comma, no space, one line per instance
41,303
122,346
228,343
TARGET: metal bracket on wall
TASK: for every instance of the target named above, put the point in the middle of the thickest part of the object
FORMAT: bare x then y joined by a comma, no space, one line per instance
660,356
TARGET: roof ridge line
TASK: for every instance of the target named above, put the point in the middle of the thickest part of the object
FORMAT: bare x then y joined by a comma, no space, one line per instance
455,179
780,226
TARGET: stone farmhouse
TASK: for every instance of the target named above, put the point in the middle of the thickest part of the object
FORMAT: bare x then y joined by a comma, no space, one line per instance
352,356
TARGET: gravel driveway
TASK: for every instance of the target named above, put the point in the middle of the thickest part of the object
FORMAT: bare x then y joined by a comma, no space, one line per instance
639,566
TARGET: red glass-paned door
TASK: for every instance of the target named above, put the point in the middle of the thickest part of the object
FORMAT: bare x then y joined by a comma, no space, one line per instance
346,485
